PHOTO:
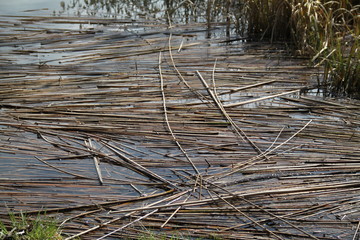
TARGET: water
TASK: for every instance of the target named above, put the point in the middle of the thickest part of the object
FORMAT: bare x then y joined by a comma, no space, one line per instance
33,7
172,11
140,17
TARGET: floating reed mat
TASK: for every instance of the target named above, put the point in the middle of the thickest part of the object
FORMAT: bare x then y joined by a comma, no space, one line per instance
127,128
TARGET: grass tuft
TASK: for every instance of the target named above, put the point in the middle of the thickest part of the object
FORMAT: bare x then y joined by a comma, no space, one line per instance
22,227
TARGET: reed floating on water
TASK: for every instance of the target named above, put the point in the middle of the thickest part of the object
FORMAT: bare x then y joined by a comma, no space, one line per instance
219,142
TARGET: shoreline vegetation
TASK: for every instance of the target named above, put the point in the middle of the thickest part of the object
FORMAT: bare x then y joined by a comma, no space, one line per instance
325,31
127,143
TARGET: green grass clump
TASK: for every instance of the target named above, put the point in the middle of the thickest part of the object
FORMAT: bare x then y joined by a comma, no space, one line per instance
22,227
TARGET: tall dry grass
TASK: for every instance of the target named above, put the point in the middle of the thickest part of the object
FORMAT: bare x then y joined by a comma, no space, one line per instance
326,30
329,31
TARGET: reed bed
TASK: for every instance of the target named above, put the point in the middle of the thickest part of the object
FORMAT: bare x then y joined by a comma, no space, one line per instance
328,31
117,131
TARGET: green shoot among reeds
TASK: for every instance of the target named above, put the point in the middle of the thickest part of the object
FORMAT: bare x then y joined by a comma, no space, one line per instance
22,227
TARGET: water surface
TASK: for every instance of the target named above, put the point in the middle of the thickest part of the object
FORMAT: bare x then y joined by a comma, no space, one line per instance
33,7
175,11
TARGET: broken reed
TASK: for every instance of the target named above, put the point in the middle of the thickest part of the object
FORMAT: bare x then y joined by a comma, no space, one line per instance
327,30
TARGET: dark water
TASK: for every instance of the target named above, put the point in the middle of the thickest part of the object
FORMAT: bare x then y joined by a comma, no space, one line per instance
211,13
173,10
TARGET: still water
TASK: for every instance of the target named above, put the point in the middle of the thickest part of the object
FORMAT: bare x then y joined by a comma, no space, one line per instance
175,10
26,6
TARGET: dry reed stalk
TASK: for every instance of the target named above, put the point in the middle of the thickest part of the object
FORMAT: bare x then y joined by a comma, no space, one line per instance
96,162
356,231
62,171
260,99
138,167
100,204
238,130
171,198
113,98
249,218
167,120
136,220
261,209
251,162
197,93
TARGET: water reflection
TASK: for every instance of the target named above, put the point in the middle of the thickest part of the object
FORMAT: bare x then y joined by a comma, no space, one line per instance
225,12
174,11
